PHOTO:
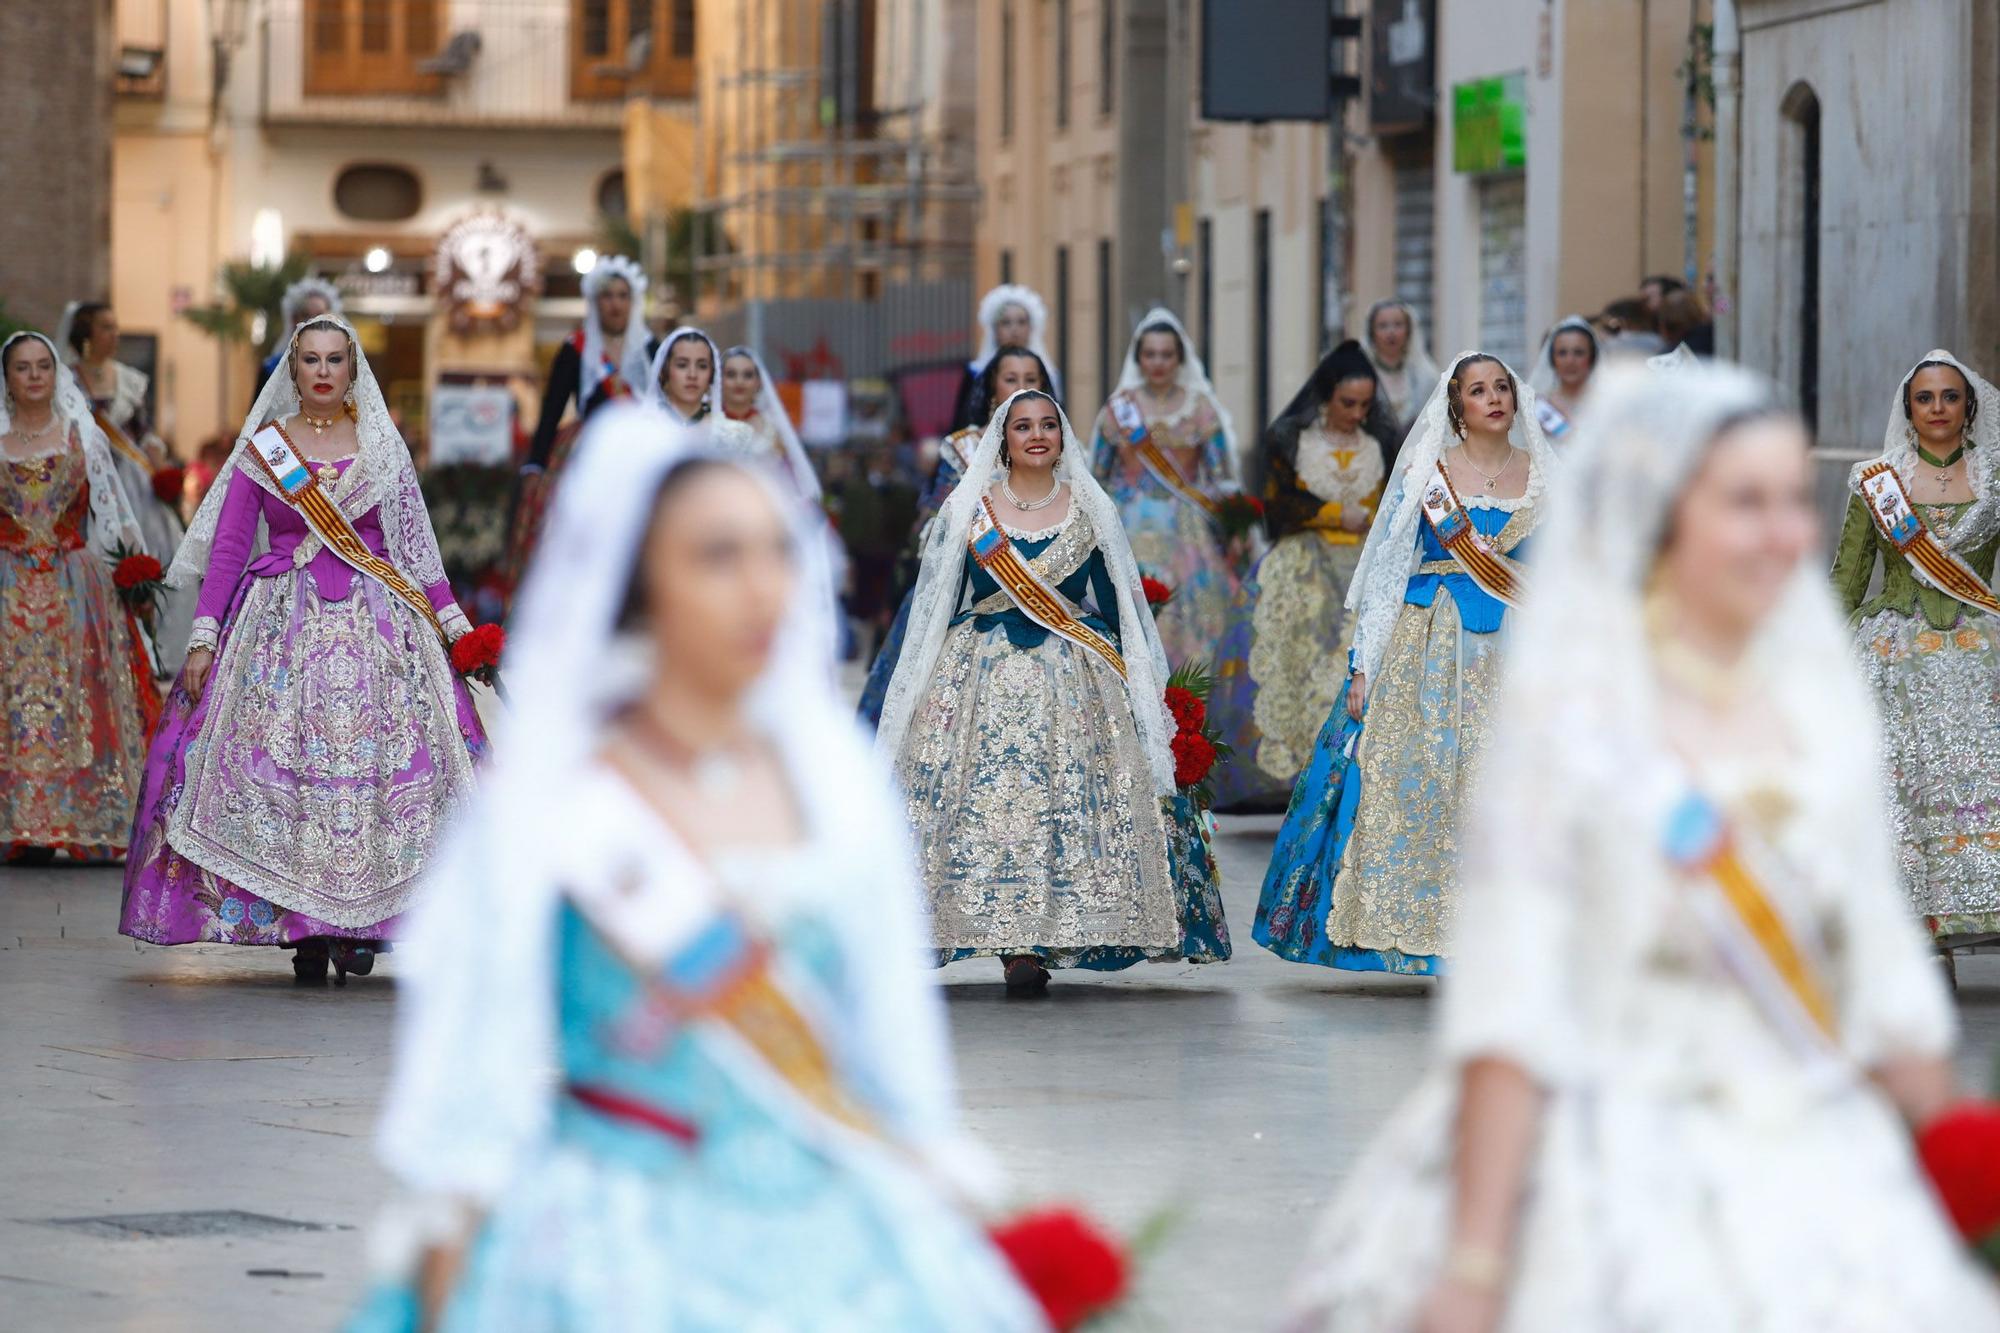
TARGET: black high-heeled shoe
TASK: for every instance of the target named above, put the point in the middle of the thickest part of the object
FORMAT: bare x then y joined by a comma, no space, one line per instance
309,963
356,956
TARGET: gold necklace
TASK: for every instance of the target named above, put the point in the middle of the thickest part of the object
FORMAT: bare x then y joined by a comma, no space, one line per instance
319,427
1716,685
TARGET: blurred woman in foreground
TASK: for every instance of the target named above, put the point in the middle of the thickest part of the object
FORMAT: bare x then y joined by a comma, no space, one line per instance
711,1088
1689,1028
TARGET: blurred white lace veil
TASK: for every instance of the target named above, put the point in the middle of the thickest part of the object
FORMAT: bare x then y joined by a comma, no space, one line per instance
935,599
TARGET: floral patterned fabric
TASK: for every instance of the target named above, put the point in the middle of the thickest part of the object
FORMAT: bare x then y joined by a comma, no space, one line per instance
1173,540
74,676
303,794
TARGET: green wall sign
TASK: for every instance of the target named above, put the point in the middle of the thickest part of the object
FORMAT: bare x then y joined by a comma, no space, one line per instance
1489,124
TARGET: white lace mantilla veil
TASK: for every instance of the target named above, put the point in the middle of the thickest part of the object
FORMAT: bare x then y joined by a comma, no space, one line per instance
1390,554
1543,377
294,302
382,476
1192,376
634,363
112,522
1976,526
935,599
472,1087
772,409
1417,367
1675,361
656,396
997,300
1577,714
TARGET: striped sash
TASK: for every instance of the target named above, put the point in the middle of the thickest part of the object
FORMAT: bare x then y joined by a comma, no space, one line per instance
955,450
281,461
1493,572
121,441
998,556
1900,524
1786,980
1133,423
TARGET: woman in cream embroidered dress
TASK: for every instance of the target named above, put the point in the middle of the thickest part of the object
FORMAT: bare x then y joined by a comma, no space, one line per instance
1284,662
75,681
1174,539
714,1092
318,738
1035,772
1933,661
1634,1122
750,398
1402,359
1364,875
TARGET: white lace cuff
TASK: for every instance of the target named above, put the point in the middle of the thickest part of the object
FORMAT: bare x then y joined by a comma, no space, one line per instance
456,626
206,633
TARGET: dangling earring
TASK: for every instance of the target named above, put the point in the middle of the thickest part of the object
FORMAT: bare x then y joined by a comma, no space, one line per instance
1911,431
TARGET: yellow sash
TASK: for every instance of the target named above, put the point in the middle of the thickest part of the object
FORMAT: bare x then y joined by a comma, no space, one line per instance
121,441
1492,571
1133,423
1899,523
286,467
998,556
1783,978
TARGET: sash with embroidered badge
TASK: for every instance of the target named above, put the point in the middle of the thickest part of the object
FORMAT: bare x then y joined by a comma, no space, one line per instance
1132,422
998,556
1902,527
956,448
1493,572
1785,977
300,488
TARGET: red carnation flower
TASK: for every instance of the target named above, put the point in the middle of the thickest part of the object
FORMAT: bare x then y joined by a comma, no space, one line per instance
1158,594
1066,1263
135,571
1193,758
1190,713
478,653
1961,1154
168,483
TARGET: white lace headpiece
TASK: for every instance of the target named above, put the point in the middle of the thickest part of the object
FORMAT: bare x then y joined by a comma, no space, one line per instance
935,600
294,301
656,394
1391,554
633,364
1544,377
772,409
990,307
1192,376
112,522
1417,366
383,476
1976,526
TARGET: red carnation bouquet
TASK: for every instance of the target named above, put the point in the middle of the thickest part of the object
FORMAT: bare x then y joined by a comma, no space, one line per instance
138,578
476,655
1960,1150
1158,594
1070,1267
1197,748
168,484
1239,515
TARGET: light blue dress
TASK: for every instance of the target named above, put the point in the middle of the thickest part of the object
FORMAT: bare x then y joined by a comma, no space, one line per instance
728,1218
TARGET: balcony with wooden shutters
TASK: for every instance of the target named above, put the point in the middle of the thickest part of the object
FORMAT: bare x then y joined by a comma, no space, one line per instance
521,64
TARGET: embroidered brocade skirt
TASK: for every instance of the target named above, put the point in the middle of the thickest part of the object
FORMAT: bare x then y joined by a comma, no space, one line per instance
1282,666
1940,698
304,793
1175,543
1396,893
1033,809
78,698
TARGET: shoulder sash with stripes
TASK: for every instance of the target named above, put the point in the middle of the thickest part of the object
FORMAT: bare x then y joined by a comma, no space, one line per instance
120,441
1902,527
1785,978
998,556
955,450
1493,572
1554,424
1132,422
282,462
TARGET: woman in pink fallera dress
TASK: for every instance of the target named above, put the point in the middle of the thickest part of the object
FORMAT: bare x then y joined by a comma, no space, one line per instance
318,738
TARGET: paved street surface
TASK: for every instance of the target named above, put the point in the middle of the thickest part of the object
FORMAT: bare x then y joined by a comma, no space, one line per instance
147,1084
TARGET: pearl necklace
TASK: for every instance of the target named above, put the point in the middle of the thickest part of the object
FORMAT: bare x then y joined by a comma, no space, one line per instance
29,436
1026,506
319,427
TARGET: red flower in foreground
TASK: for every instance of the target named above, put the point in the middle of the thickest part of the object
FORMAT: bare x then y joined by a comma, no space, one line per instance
1069,1266
1961,1154
1193,758
135,570
478,651
1190,713
168,483
1158,594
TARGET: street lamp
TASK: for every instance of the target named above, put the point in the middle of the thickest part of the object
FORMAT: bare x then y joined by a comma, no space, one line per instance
377,260
583,261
